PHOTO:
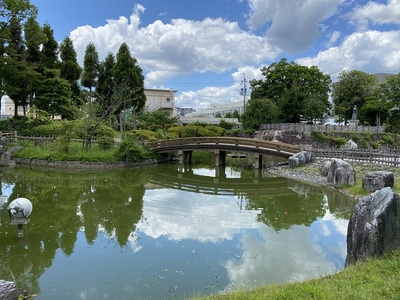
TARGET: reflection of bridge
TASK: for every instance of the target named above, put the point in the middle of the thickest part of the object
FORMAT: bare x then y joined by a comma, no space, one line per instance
186,180
185,146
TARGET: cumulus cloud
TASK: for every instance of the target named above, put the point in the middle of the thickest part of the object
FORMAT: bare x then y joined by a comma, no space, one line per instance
376,13
291,25
182,46
370,51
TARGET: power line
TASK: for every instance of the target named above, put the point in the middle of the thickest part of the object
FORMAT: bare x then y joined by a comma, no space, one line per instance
194,83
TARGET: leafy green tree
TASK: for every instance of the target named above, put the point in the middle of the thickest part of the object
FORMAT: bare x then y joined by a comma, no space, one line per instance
70,69
156,120
288,85
315,108
352,90
259,111
14,9
391,89
90,67
129,82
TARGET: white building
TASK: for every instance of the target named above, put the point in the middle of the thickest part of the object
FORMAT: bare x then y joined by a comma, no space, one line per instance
160,99
218,109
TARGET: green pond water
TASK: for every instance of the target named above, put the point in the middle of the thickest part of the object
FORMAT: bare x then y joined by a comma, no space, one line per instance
166,232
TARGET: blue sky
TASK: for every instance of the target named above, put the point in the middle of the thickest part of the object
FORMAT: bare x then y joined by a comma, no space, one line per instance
203,48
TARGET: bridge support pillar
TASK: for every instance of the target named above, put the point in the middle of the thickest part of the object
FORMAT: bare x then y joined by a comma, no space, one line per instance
184,157
257,161
220,157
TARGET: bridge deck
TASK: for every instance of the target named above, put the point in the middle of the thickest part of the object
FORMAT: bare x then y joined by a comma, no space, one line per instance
226,143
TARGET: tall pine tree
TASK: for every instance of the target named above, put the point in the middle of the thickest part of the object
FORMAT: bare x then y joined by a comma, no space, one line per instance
90,67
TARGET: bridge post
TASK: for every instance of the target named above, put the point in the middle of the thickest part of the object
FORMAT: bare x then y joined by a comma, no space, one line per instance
184,156
180,157
220,157
257,161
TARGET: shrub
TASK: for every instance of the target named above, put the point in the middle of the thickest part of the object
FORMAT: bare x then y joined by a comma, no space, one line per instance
131,151
142,135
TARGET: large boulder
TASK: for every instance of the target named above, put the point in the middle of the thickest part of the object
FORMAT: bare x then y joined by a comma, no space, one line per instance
374,226
338,172
9,291
377,180
350,145
300,159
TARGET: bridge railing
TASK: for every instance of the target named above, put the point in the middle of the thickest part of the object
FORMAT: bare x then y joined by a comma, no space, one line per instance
234,141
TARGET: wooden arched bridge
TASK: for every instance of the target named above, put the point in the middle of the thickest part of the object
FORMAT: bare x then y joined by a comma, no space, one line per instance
221,145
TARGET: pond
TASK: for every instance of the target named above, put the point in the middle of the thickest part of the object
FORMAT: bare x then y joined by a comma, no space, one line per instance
168,232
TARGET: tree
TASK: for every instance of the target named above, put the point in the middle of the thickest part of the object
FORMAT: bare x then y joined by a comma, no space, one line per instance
259,111
129,83
49,52
15,83
70,69
352,89
314,108
288,85
105,86
155,120
34,38
14,9
391,89
90,67
54,95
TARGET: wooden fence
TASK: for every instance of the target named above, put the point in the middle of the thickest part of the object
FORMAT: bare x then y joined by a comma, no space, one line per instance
361,155
302,127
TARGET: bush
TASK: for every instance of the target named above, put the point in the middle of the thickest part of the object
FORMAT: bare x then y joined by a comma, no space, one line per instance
131,151
142,135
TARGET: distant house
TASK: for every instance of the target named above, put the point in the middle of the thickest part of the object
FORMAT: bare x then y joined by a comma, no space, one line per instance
155,99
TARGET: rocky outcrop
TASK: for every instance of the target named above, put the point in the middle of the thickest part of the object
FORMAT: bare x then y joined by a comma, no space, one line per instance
377,180
338,172
374,226
5,156
8,291
300,159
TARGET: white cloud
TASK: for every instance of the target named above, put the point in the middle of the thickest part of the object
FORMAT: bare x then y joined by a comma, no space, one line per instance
370,51
181,47
377,13
292,25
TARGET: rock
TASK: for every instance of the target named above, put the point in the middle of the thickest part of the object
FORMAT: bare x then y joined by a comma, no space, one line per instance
350,145
377,180
374,226
8,291
338,172
300,159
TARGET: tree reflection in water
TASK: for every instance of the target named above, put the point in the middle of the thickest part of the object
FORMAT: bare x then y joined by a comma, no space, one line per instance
67,203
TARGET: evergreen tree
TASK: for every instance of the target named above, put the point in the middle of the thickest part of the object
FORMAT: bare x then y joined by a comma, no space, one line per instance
70,69
90,67
54,95
129,83
49,52
105,86
34,38
15,84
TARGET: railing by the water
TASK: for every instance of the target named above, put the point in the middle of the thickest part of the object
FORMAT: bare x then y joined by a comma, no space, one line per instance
360,155
302,127
219,142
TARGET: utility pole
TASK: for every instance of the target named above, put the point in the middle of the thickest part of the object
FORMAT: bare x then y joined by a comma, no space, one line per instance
243,91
